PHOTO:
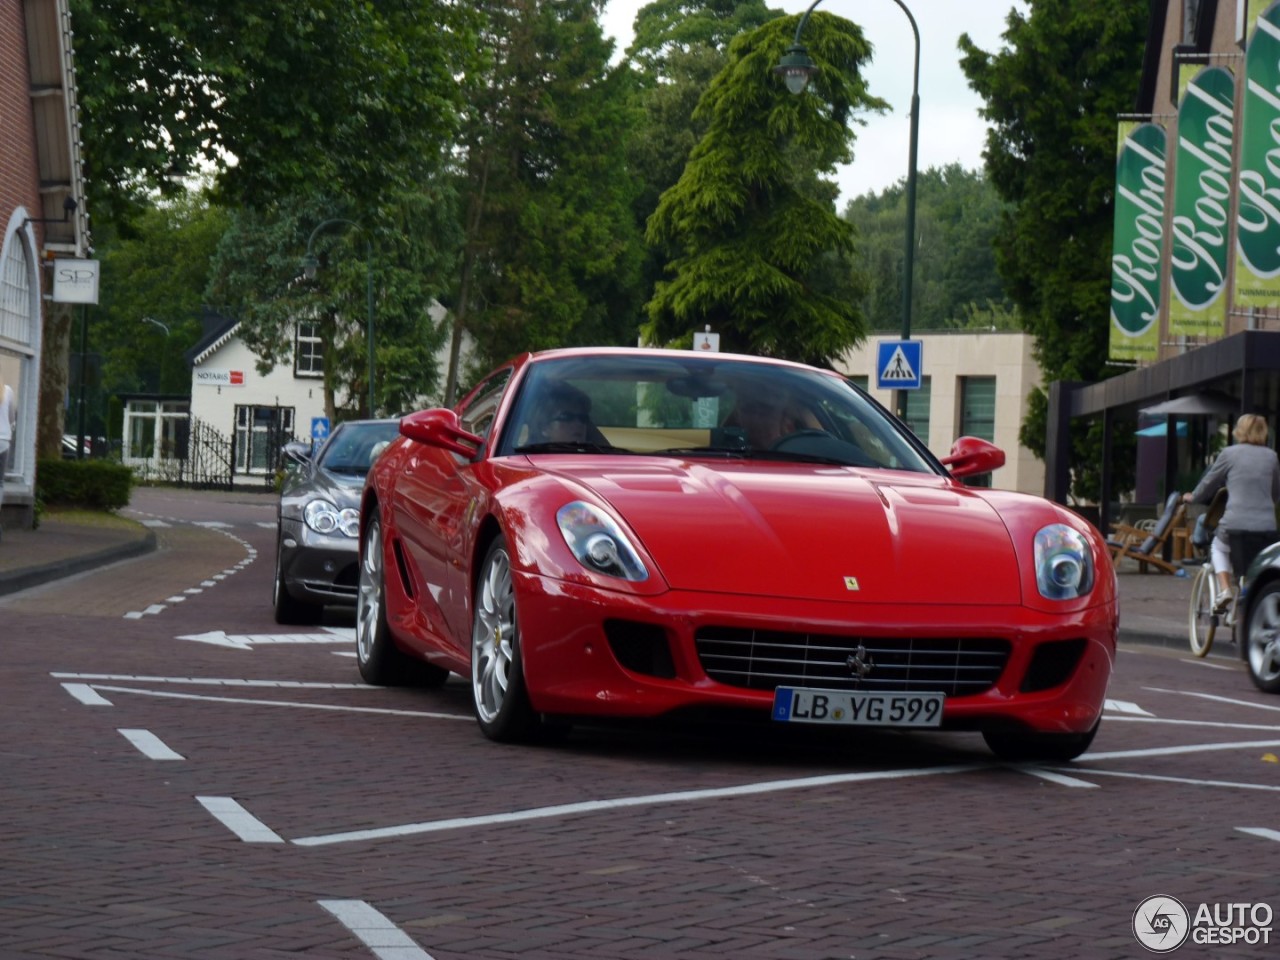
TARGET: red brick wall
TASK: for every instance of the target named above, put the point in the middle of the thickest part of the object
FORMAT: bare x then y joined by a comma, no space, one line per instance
18,172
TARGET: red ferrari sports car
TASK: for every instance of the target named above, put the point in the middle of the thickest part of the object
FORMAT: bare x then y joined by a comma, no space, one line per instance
630,533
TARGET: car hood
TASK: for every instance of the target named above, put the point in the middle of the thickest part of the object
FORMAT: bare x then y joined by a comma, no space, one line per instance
341,489
812,532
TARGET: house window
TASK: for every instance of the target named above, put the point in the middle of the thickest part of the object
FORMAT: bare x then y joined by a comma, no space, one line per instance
308,350
978,416
260,433
155,431
918,410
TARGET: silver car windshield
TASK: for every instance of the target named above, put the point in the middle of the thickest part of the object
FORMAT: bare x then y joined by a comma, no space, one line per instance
714,407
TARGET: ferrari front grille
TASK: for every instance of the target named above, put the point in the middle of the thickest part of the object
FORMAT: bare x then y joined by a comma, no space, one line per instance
765,659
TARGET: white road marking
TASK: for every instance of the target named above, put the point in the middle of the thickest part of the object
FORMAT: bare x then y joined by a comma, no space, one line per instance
384,938
208,583
175,599
1058,778
86,695
193,590
1221,724
1261,832
1124,706
1172,751
289,703
266,525
1187,780
221,638
1201,662
153,523
211,524
149,745
215,681
1218,699
239,820
596,806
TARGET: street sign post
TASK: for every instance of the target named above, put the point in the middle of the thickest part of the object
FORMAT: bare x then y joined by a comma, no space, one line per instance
898,364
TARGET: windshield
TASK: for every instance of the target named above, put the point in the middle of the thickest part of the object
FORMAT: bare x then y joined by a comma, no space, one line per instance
355,445
714,407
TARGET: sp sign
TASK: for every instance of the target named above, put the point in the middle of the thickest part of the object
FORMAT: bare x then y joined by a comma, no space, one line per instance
75,281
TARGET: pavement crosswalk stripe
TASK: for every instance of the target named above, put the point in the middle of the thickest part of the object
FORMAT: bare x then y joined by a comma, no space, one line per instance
149,745
1263,832
239,820
384,938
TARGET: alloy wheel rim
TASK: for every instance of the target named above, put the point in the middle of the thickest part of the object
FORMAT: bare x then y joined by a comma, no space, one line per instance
493,637
369,601
1264,639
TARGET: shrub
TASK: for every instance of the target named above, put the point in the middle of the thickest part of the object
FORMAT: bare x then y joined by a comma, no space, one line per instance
91,484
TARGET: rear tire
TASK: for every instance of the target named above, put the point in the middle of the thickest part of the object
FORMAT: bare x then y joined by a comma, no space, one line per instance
1262,639
1203,622
1018,747
289,611
381,662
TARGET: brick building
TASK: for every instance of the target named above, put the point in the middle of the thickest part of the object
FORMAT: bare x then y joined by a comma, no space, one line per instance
42,211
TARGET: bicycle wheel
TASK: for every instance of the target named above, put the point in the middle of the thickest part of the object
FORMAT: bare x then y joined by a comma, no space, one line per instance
1203,621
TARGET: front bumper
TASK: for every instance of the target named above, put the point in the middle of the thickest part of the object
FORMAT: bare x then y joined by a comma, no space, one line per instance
574,662
319,568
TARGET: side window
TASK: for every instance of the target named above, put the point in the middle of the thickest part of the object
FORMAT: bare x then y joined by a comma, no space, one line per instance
479,409
308,353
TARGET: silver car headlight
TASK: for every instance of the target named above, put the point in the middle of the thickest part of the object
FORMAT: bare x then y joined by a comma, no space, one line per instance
324,517
1064,563
598,543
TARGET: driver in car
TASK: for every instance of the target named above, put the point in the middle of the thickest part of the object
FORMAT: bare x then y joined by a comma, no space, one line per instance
565,415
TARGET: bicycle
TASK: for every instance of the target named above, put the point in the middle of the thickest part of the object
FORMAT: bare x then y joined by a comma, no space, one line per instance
1205,594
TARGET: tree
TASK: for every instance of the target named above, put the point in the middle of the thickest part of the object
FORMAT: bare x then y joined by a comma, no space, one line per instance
957,214
752,241
1052,96
551,252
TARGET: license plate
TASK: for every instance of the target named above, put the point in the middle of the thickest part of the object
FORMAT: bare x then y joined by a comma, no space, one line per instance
857,707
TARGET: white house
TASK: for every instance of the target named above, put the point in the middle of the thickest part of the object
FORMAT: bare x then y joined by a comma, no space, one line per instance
972,384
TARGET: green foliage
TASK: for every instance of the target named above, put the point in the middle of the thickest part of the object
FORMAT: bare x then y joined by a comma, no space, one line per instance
1052,95
751,238
957,215
91,484
552,253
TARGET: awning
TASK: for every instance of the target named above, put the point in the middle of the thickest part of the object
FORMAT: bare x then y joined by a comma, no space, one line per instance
1195,405
1162,430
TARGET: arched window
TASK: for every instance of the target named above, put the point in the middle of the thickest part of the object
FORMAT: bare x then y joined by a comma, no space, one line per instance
18,317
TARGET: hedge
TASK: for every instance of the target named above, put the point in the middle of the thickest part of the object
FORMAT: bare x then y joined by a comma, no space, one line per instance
90,484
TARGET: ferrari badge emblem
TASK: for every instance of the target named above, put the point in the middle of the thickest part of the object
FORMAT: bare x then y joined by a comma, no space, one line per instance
851,583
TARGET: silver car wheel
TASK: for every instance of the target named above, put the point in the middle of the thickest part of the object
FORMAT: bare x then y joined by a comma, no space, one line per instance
493,637
369,598
1264,639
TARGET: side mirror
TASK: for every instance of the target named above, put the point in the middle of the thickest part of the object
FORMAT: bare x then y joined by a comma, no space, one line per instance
439,427
970,456
297,453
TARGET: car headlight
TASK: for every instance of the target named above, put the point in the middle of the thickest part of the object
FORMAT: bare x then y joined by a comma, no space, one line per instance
324,517
1064,563
598,543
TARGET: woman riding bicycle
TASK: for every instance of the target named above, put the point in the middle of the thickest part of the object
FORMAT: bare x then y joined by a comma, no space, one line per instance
1250,471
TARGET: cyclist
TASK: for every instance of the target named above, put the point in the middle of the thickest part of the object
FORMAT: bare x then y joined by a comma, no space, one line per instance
1250,472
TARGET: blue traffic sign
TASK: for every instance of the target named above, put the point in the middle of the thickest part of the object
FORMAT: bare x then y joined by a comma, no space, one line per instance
319,428
898,364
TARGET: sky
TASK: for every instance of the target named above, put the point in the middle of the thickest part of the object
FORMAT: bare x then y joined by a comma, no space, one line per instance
951,131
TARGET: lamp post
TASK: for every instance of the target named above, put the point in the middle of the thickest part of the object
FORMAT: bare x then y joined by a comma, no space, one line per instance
310,264
795,68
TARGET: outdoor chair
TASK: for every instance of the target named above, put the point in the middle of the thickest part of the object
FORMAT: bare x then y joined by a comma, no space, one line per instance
1147,547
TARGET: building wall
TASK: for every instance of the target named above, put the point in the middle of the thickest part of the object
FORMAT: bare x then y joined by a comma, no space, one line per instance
19,199
949,357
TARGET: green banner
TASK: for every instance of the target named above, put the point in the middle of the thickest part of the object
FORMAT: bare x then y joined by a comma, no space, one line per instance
1137,242
1202,205
1258,220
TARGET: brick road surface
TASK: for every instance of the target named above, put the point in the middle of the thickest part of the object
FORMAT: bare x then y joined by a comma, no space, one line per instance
703,841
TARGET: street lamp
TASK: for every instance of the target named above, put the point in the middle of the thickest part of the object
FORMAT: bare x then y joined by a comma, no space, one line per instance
795,68
310,264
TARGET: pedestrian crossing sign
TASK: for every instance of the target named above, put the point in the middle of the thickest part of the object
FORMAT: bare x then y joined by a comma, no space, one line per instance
898,364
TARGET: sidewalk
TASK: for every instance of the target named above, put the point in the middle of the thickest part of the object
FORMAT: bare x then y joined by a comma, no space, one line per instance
66,544
1153,606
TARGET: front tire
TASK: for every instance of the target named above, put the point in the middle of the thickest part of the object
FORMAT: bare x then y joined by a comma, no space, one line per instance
497,672
1021,747
1262,639
1203,622
288,610
381,662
